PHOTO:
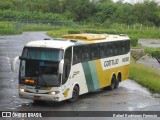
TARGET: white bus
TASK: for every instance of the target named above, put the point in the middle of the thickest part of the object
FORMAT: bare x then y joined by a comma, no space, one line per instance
61,69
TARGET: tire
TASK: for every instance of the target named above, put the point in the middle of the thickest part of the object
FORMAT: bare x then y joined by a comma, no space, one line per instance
113,82
117,82
75,94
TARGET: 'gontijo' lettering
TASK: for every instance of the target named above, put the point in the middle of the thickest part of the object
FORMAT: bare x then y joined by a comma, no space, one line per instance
111,62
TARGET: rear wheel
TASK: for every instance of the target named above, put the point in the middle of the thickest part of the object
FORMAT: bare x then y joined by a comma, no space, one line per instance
75,94
117,82
113,82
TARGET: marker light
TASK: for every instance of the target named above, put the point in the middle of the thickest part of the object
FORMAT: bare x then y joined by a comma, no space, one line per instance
29,81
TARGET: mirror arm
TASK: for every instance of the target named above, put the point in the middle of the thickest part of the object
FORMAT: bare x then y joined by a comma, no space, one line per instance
14,63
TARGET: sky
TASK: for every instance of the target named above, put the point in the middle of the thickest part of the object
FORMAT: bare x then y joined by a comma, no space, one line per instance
123,0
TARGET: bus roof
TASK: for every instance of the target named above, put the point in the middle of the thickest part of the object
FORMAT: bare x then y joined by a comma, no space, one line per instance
76,39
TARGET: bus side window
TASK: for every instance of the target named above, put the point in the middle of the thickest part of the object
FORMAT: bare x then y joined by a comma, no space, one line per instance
128,46
102,50
123,47
67,64
77,54
85,53
106,49
119,48
94,51
109,50
116,48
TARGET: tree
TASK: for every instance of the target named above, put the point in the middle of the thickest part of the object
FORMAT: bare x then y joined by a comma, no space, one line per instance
145,12
82,10
4,5
123,13
106,11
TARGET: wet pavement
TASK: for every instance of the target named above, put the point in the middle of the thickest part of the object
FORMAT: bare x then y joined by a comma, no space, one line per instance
130,96
149,42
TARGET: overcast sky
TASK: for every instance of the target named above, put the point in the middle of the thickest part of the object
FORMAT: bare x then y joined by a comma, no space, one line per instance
123,0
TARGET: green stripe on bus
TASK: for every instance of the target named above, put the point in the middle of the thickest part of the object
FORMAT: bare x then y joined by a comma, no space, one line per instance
90,75
94,75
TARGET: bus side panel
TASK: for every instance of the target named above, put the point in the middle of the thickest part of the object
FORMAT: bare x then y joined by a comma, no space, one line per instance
94,75
125,73
91,76
102,75
78,77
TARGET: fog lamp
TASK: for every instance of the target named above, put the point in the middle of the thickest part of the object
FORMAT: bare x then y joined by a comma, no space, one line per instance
54,92
21,89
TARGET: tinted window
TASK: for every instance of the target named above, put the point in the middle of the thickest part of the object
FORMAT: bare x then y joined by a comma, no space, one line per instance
94,52
100,50
85,53
77,54
67,64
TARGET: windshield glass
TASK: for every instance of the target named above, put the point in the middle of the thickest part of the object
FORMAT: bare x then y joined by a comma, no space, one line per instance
39,73
42,53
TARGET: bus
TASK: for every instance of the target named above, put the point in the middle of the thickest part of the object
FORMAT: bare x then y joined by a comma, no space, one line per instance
63,68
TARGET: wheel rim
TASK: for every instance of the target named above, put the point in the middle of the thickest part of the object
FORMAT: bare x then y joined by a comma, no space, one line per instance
75,94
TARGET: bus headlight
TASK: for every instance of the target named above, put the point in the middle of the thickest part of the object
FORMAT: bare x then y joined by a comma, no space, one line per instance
54,92
21,89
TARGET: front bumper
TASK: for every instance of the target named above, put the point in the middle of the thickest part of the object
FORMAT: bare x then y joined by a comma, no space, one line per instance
44,97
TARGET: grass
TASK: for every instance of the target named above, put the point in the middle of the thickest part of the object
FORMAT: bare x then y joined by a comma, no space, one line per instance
7,28
59,30
145,76
17,28
130,32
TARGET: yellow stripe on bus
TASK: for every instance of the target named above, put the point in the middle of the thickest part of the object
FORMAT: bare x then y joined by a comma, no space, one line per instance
105,76
102,78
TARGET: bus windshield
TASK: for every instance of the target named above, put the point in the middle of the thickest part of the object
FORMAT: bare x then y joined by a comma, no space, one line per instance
40,73
39,66
42,53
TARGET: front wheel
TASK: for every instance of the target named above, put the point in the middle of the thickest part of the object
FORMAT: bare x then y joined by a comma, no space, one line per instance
75,94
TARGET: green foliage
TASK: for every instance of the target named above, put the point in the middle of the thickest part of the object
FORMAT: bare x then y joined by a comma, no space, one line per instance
8,28
103,31
58,32
154,52
134,41
103,12
38,16
146,12
146,76
74,32
83,9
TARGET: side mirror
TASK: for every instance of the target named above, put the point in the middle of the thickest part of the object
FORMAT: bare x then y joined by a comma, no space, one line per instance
13,65
61,64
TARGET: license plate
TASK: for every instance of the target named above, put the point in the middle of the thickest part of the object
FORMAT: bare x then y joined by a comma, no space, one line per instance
37,97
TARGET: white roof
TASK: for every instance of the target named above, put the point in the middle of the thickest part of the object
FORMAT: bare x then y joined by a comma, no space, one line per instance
76,39
50,44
